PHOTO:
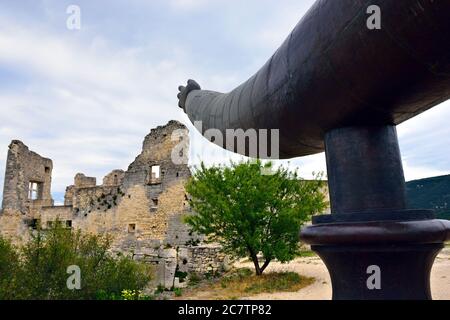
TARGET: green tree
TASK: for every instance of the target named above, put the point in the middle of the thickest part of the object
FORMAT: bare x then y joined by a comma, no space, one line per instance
249,213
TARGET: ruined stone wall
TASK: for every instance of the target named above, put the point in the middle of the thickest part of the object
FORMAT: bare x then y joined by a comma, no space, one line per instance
202,259
138,205
22,167
142,208
175,265
114,178
48,215
69,195
130,208
13,226
177,232
150,200
134,207
82,181
166,147
94,199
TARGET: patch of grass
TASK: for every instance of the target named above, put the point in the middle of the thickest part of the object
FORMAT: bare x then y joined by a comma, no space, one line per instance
178,292
194,279
277,282
306,254
243,282
159,289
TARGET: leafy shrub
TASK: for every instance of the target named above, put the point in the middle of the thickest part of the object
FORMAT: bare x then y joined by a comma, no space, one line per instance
178,292
9,264
194,279
39,269
160,289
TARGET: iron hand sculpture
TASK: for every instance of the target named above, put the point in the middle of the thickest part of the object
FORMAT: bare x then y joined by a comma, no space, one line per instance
332,71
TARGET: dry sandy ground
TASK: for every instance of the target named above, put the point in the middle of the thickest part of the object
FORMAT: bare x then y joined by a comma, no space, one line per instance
440,276
321,288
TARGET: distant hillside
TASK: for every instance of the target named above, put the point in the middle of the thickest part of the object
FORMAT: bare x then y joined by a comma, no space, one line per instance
430,193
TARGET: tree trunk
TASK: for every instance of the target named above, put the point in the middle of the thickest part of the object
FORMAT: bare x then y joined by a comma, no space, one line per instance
259,270
256,263
264,266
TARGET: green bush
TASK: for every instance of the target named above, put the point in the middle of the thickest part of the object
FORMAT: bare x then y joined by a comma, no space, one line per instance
38,270
160,289
178,292
9,265
194,279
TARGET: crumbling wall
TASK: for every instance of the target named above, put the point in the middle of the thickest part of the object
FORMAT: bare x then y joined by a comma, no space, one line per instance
177,232
175,265
145,203
170,203
143,208
114,178
69,195
202,259
63,214
153,197
13,226
131,208
93,199
166,147
82,181
22,167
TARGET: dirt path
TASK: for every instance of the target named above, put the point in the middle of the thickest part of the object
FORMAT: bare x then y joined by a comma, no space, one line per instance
321,288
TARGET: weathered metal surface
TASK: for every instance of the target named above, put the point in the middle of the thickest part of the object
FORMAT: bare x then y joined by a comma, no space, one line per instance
369,226
378,232
365,172
404,270
332,72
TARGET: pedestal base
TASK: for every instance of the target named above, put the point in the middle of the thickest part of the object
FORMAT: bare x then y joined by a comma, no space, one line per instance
379,260
374,248
380,272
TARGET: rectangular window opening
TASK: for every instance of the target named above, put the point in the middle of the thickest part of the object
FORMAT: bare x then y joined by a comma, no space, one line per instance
155,172
132,228
34,224
154,175
34,190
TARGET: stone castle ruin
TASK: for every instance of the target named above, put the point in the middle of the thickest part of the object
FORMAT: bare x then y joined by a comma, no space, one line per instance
142,208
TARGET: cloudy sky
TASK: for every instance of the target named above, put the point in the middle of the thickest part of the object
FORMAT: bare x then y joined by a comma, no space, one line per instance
86,98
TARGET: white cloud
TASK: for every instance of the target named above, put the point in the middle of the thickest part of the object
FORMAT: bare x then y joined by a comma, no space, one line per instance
190,4
416,172
86,105
87,99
